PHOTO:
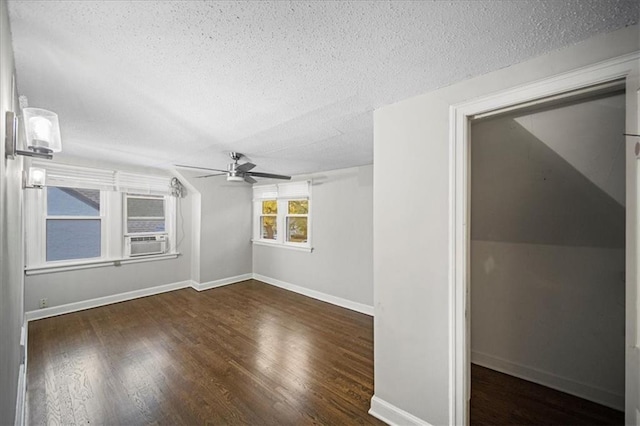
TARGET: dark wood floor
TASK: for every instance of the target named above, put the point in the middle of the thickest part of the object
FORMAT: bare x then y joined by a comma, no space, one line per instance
247,353
500,399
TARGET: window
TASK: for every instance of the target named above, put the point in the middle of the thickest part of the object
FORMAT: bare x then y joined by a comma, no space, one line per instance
91,216
284,207
144,214
269,220
297,218
73,224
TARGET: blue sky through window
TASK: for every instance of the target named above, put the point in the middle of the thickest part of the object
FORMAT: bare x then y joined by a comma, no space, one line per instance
73,238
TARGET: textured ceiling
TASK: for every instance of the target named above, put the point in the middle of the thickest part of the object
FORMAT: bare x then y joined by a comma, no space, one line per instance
292,84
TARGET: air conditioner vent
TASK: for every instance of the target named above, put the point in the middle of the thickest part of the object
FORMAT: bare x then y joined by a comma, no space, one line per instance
144,245
147,238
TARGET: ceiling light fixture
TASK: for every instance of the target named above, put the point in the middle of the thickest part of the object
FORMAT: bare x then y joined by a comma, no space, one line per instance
41,130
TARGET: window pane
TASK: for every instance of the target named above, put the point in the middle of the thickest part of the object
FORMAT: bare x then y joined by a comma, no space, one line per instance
299,207
145,215
145,207
135,226
268,226
270,207
73,239
297,229
72,202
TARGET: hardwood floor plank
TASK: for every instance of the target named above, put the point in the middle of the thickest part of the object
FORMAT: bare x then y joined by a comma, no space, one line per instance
247,353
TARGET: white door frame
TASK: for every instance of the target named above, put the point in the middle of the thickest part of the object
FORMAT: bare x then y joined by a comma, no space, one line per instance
459,207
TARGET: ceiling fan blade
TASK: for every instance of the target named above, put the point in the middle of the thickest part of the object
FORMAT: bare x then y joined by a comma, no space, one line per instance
214,174
249,179
245,167
200,168
267,175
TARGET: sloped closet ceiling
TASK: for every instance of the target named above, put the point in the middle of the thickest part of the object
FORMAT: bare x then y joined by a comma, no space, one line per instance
554,176
293,84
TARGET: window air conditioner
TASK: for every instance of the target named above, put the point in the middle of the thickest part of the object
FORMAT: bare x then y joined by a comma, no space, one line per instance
143,245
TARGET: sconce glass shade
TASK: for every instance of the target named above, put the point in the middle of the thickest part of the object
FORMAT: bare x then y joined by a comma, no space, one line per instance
37,177
42,130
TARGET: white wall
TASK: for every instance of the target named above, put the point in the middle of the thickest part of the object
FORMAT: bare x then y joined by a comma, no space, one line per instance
547,252
225,228
61,288
411,222
341,264
551,314
11,247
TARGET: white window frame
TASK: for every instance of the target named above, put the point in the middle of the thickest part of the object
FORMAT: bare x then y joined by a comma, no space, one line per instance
112,217
261,215
282,193
41,256
287,215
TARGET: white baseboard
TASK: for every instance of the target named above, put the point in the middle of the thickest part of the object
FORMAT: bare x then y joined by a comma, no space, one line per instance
106,300
21,396
121,297
563,384
219,283
334,300
392,415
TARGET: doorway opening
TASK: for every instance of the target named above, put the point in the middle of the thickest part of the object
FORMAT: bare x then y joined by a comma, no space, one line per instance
623,69
547,262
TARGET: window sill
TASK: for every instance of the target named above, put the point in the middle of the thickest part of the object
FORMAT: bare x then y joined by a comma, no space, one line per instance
98,263
284,246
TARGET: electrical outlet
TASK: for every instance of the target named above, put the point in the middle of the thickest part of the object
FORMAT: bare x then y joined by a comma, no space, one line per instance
44,303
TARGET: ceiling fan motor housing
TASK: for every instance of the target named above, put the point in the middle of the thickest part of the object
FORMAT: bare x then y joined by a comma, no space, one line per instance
234,175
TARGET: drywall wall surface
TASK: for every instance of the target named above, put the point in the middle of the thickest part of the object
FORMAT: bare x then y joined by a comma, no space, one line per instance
550,309
341,263
196,211
411,226
225,228
553,177
196,236
61,288
11,246
410,257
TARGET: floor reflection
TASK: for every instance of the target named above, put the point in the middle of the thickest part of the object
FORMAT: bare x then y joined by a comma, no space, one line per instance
280,346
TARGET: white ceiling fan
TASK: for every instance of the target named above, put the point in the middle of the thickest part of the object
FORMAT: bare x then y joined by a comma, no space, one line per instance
237,172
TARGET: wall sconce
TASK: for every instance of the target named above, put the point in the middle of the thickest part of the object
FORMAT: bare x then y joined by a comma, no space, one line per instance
42,133
37,177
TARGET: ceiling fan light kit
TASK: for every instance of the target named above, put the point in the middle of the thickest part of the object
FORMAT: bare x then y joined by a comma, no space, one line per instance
237,172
